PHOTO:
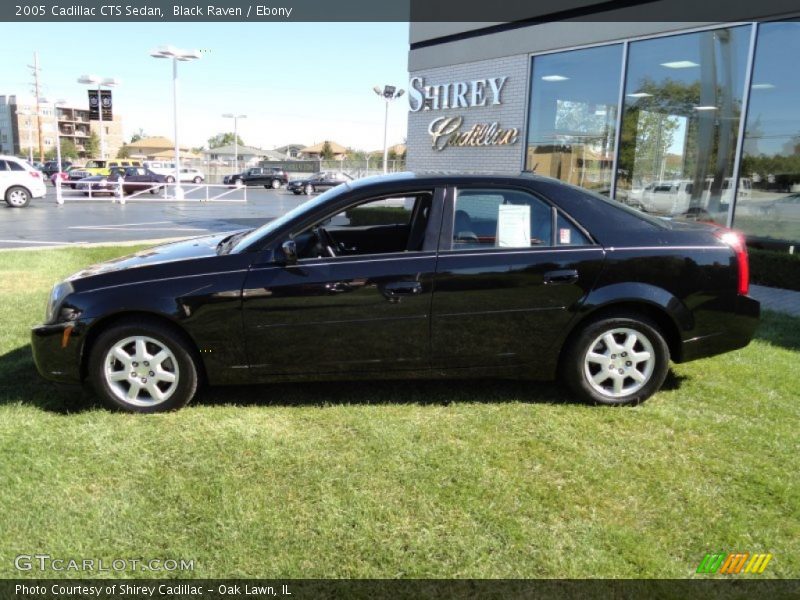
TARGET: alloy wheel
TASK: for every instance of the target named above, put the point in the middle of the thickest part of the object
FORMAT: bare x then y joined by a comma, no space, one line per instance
619,362
141,371
17,198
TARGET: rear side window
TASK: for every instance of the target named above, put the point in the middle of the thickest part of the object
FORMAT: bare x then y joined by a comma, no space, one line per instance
498,218
14,166
567,234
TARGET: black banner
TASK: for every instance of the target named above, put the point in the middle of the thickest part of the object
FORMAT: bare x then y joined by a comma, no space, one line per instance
481,12
94,109
398,589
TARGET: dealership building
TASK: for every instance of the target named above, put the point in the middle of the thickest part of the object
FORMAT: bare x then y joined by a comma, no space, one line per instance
691,120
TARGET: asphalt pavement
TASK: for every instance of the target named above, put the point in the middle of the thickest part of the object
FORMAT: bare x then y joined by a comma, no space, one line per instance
81,220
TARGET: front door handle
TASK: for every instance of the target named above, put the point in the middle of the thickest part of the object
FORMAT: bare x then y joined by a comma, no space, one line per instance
402,288
561,277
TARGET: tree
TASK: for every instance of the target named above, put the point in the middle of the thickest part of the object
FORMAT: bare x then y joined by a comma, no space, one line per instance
124,151
224,139
92,145
138,136
327,151
68,150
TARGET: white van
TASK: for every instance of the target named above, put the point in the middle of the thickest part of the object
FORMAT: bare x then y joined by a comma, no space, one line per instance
162,167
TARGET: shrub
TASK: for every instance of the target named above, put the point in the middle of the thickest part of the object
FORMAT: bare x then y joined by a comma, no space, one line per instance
776,269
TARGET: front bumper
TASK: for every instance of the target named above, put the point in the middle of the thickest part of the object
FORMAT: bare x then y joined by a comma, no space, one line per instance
57,353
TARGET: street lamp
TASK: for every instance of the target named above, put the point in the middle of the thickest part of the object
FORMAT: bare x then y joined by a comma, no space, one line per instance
108,82
56,104
388,93
235,137
184,56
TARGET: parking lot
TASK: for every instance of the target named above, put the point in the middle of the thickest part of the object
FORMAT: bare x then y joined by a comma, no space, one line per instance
81,220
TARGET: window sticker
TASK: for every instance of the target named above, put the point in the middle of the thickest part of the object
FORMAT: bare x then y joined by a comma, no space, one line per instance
514,226
564,235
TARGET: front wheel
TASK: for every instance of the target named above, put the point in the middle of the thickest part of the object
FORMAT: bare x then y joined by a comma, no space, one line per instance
275,184
616,360
170,180
143,367
18,197
198,180
308,190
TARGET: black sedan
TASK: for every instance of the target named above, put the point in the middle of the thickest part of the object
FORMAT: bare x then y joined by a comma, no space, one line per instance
134,179
318,182
409,276
101,184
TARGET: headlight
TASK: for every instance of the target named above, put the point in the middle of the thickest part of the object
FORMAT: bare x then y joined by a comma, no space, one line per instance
60,291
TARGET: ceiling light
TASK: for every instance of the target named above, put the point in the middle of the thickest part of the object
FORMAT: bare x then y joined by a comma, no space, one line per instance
554,78
680,64
705,107
763,86
640,95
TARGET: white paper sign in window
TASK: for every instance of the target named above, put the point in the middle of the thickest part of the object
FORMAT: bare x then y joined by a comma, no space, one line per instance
514,226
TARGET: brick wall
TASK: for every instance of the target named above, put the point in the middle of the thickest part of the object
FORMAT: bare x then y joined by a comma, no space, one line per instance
511,113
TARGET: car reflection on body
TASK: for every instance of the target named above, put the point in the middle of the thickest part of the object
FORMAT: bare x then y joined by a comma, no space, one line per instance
318,182
409,275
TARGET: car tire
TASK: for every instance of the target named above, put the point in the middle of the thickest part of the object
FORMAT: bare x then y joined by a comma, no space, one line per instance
296,192
170,180
238,182
18,197
73,186
124,349
599,363
308,189
275,184
198,180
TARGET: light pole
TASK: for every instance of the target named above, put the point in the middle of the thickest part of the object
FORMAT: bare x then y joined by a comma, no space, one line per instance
184,56
56,105
235,137
388,93
108,82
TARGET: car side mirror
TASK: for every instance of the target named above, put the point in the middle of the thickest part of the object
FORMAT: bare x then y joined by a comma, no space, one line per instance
290,252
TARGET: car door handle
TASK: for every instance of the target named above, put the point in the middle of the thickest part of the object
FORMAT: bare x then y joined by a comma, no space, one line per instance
561,277
402,288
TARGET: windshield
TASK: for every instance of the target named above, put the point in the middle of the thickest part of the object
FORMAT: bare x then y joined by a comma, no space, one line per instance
297,212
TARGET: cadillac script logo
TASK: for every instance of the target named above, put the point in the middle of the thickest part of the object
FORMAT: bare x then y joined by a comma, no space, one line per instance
451,131
446,131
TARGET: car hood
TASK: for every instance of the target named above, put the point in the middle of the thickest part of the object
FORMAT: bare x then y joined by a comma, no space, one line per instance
200,247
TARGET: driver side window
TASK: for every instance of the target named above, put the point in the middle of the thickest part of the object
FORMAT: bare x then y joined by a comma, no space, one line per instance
376,226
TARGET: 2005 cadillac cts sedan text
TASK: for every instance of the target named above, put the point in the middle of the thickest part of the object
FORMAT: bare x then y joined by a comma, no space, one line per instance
409,275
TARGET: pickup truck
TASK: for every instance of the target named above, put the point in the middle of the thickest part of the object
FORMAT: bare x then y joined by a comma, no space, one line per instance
269,177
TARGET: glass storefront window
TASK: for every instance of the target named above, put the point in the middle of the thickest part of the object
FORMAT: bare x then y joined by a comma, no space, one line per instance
572,122
770,208
680,123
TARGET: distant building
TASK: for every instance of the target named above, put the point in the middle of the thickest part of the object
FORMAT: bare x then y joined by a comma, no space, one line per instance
291,150
315,151
19,127
249,156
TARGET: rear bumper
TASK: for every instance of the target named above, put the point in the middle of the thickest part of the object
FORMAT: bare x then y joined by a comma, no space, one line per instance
57,354
740,327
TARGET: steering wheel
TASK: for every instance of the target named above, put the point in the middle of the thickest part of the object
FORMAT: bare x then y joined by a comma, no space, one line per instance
325,239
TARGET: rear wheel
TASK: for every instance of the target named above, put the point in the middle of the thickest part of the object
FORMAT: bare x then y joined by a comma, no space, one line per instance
17,197
170,179
198,179
616,360
143,367
276,184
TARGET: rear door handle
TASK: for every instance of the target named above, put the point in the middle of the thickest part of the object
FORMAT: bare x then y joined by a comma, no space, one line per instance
561,277
402,288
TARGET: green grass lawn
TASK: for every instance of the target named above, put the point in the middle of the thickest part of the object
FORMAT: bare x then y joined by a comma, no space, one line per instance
482,479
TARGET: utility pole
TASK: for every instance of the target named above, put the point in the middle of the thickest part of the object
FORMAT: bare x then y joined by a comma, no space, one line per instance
36,95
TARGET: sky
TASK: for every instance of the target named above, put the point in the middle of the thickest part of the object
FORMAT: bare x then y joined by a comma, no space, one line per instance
296,82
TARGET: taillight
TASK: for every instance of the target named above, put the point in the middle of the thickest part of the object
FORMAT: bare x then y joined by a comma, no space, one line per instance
735,240
35,174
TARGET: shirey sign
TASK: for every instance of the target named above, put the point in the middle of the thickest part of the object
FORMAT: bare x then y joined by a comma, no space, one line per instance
449,130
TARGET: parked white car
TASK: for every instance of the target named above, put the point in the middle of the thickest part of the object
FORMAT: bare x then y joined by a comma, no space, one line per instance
19,182
192,175
162,167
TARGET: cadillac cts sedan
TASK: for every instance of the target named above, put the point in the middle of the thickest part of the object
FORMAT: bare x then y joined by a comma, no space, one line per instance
408,275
